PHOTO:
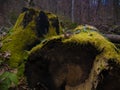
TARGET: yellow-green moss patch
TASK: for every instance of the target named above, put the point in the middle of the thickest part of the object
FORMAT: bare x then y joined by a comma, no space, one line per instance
22,39
17,43
108,49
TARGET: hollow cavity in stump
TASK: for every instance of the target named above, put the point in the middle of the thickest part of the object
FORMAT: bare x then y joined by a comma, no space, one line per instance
56,65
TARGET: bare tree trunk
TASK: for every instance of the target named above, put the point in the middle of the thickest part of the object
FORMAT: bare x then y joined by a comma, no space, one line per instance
72,10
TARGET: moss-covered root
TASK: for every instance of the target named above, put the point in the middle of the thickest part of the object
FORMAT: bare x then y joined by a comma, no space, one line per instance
74,63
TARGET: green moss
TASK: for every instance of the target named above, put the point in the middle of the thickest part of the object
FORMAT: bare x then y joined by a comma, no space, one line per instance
108,49
19,21
52,29
21,39
17,43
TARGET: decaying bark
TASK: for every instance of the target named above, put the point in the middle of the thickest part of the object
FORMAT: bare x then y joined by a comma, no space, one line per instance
57,67
74,64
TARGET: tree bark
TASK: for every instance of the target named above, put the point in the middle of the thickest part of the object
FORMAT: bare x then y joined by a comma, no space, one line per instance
74,63
112,37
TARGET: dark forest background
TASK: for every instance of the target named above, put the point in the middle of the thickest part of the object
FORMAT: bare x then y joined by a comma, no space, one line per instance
93,12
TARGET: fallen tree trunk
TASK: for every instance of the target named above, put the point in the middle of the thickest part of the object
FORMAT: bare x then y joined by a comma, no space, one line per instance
84,61
113,38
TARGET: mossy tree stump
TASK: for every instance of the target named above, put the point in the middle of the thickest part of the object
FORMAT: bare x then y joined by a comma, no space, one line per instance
32,26
80,61
84,61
